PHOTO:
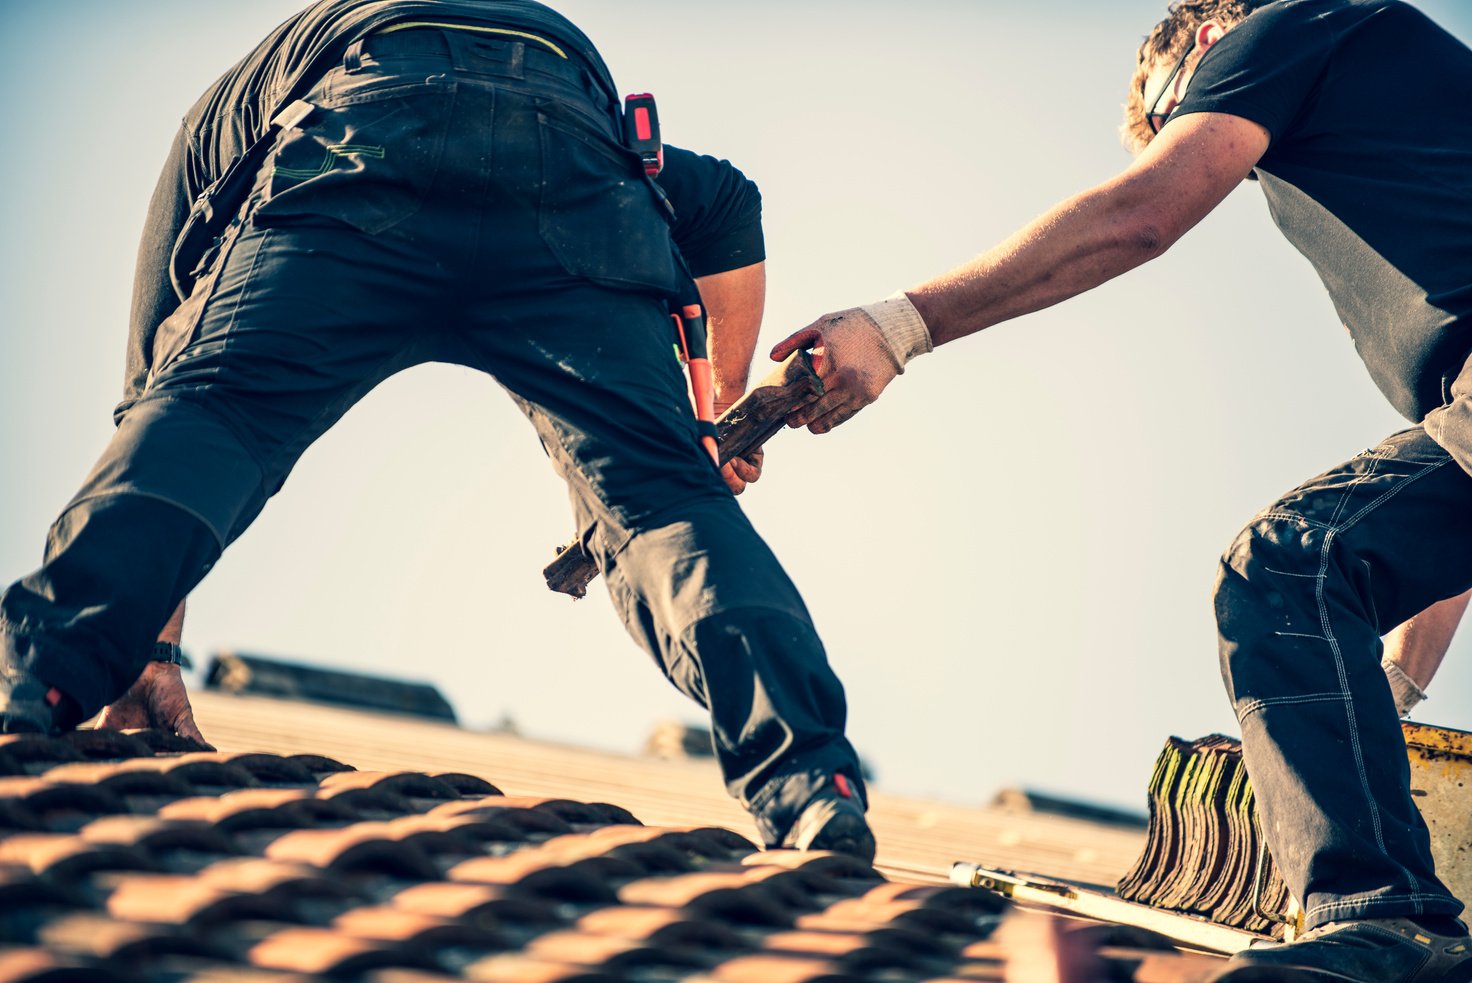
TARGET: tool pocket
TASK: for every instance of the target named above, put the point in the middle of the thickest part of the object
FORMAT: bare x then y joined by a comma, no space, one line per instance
366,157
596,213
179,329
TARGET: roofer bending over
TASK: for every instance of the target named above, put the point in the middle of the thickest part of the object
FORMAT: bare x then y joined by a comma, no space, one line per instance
1352,116
446,182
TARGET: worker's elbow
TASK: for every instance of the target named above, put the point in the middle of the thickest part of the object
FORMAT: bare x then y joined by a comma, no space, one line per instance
1147,240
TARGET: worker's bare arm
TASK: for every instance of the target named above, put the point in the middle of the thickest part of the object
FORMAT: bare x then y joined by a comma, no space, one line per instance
1095,236
1075,246
734,301
1414,650
158,697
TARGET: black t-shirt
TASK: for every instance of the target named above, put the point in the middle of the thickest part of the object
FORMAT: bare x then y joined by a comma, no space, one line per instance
717,209
1369,172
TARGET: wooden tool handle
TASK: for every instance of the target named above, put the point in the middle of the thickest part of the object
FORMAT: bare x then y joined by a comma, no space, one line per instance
746,425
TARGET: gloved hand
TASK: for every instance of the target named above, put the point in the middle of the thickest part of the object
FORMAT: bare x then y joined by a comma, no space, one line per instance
1402,687
156,699
856,352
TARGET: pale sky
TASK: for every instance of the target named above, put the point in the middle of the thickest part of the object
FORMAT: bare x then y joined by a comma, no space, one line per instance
1009,557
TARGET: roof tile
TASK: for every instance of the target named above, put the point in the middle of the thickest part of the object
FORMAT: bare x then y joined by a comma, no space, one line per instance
221,867
580,880
518,968
726,894
38,965
365,846
261,808
476,903
68,857
301,949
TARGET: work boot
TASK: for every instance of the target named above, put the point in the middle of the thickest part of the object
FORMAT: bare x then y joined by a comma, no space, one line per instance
29,706
833,821
1371,950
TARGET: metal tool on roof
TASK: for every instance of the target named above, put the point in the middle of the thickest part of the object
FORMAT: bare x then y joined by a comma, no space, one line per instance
1027,889
748,424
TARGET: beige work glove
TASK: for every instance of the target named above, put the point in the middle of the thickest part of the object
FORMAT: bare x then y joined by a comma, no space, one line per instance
1402,687
857,353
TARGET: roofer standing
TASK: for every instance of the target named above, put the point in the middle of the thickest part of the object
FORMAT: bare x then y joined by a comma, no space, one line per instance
441,180
1352,115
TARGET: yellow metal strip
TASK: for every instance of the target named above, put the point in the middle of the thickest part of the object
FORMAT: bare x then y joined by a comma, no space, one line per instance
479,30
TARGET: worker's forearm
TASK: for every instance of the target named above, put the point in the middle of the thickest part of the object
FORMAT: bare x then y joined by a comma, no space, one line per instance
173,631
1419,645
1074,247
734,302
1097,235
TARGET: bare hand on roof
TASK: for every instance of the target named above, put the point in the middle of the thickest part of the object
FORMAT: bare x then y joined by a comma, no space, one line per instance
158,699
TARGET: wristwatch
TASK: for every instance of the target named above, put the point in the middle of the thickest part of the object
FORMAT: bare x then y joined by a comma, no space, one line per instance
167,652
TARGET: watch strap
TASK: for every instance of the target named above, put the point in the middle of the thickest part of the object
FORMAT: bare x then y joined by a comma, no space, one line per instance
167,652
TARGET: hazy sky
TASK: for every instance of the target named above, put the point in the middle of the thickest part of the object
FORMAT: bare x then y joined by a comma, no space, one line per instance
1010,557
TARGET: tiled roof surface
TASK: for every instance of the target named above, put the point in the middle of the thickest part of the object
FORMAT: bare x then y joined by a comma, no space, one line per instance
138,857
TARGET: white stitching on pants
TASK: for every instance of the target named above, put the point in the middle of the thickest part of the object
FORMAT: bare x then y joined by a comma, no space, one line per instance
1349,710
1248,709
1364,902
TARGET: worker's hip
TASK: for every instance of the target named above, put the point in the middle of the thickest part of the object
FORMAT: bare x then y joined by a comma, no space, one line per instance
473,140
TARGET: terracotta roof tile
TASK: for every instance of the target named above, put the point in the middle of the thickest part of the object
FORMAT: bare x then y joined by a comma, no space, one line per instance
261,808
478,903
408,784
466,784
117,778
182,900
271,866
153,835
723,894
67,857
302,949
390,924
576,813
519,968
30,750
96,936
38,965
774,968
364,846
38,803
529,820
616,954
320,765
261,876
659,926
19,886
580,880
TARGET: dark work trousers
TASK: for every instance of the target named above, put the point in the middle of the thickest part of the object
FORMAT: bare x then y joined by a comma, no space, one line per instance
459,199
1303,596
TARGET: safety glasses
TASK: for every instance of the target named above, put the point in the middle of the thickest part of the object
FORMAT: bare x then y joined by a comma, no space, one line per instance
1153,117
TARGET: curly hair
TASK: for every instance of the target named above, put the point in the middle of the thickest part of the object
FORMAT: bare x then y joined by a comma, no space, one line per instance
1169,39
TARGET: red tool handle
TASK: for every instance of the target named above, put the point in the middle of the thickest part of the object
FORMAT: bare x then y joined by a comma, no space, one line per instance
690,326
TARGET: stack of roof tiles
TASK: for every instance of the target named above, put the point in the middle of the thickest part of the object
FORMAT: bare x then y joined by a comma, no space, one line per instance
1204,846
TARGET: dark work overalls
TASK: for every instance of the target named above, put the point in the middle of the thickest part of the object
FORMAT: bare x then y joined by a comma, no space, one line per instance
452,197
